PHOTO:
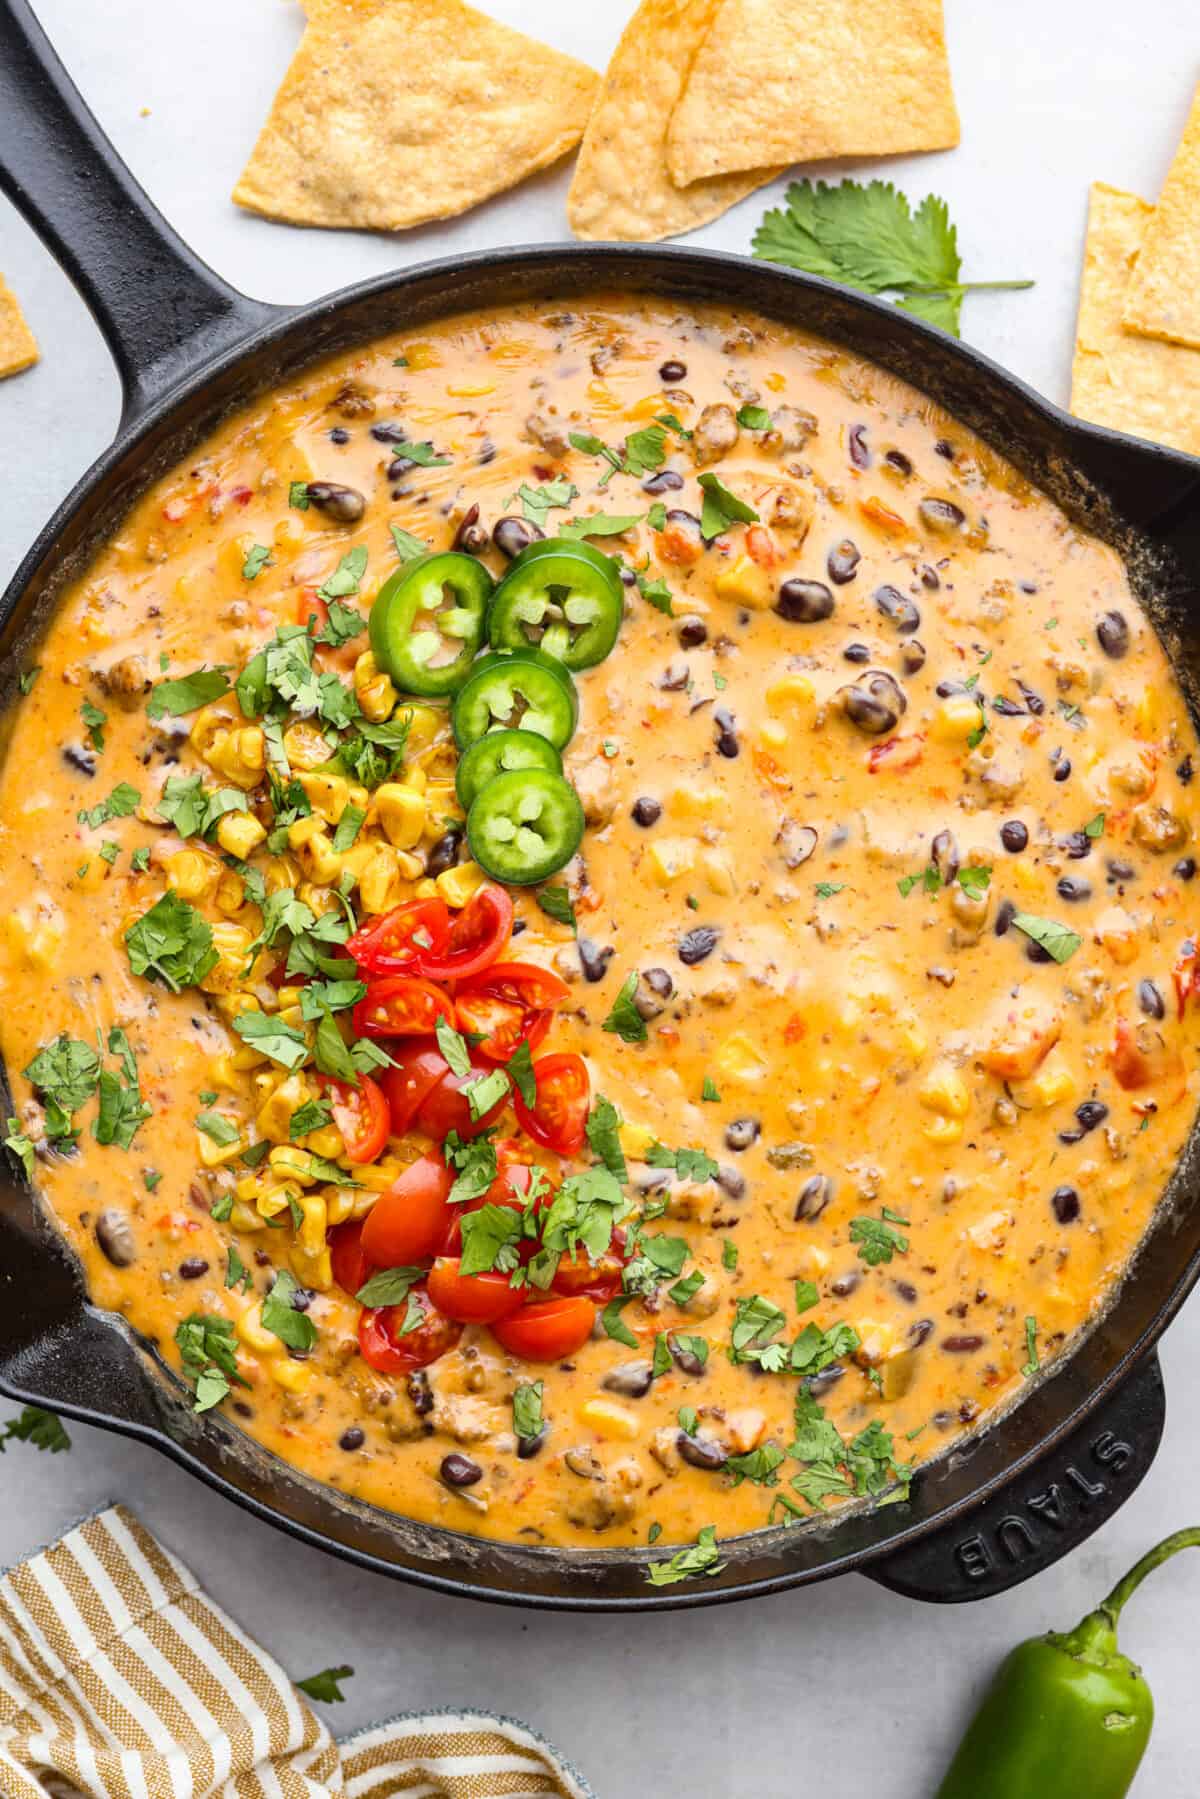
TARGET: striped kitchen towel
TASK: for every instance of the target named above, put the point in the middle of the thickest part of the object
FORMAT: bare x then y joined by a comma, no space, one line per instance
119,1679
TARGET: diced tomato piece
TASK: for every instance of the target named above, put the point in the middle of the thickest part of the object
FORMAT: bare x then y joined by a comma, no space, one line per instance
361,1115
420,1065
393,943
547,1331
478,937
391,1350
402,1005
509,1003
1185,975
1142,1057
309,604
895,756
471,1298
351,1267
760,546
408,1222
558,1117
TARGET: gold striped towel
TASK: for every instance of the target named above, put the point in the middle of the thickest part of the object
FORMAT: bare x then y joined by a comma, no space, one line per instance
120,1679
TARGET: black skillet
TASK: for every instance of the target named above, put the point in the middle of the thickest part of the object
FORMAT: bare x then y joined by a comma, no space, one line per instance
997,1507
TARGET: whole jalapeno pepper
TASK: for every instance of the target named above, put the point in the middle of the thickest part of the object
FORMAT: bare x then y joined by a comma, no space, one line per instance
1067,1714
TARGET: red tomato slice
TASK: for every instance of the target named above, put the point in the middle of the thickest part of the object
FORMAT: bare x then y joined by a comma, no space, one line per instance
548,1331
401,1005
408,1222
383,1346
510,1003
510,1188
351,1269
392,943
446,1108
478,936
420,1065
471,1298
558,1117
361,1115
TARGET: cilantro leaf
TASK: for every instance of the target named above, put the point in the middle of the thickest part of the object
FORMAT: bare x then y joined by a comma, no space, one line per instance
1058,942
121,803
703,1557
657,594
604,1135
721,508
521,1072
877,1240
389,1286
600,524
528,1418
187,693
489,1240
555,902
257,559
476,1165
625,1019
324,1686
122,1110
20,1146
536,502
280,1317
346,577
45,1430
208,1349
615,1325
408,547
171,941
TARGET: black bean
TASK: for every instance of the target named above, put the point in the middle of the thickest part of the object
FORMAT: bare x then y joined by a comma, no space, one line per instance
731,1182
420,1393
860,454
842,562
945,688
685,1358
343,504
741,1133
1062,768
1112,631
512,535
1035,953
1014,836
1007,708
1005,913
1073,888
1034,701
1185,869
81,760
963,1345
929,577
918,1332
659,982
813,1197
388,434
1118,869
692,632
594,959
1091,1113
302,1298
667,480
941,515
114,1234
1064,1202
646,811
701,1452
943,447
819,1384
906,1290
632,1380
1077,845
943,853
804,602
874,703
528,1447
898,461
192,1267
1150,1000
460,1471
727,738
898,609
471,536
626,576
672,371
912,656
697,944
444,853
1185,771
352,1439
845,1284
339,435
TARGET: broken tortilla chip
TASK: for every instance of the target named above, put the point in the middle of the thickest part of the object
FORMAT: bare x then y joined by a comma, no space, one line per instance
1164,294
18,346
395,112
1121,379
621,188
785,81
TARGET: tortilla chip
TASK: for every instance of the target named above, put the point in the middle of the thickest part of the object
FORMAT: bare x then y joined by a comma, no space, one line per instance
395,112
784,81
1121,379
18,346
1164,295
621,188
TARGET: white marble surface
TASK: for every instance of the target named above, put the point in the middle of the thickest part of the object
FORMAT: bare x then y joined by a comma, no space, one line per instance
843,1688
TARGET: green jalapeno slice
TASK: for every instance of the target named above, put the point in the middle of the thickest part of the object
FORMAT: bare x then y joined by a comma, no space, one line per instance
499,753
526,691
428,621
524,826
562,597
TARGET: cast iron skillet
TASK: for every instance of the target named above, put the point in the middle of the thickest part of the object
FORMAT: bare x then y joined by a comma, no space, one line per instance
995,1509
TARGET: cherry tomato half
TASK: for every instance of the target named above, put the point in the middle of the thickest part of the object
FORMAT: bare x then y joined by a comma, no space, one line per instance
558,1117
401,1005
477,937
509,1003
547,1331
386,1349
446,1108
351,1268
420,1065
600,1279
510,1188
361,1115
392,943
408,1222
471,1298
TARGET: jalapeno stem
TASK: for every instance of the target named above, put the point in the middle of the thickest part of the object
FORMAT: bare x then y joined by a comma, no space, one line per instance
1153,1558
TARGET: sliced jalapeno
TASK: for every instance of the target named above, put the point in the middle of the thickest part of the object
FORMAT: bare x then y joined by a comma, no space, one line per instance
499,753
524,825
562,597
527,691
427,621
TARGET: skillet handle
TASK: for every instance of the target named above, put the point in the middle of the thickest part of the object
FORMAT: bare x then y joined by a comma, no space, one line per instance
1047,1511
163,312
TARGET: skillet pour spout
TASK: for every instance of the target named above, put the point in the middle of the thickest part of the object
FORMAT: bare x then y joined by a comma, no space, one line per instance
188,346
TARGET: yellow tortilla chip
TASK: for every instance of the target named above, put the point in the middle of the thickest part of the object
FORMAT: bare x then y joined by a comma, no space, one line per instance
621,187
394,112
18,346
784,81
1121,379
1164,295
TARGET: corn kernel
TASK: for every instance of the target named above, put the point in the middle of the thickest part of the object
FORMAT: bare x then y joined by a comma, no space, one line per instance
792,694
379,879
249,1327
746,583
328,795
340,1205
944,1090
232,943
957,718
314,849
293,1377
401,813
718,872
670,857
374,690
215,1155
425,725
422,356
305,746
471,390
636,1140
245,1218
326,1142
290,1163
1053,1083
192,874
1148,713
230,895
942,1130
772,734
459,884
274,1118
209,723
608,1418
239,755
